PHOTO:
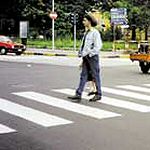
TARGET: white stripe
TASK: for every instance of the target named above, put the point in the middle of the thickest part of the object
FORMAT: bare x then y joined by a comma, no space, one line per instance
134,88
126,93
64,104
4,129
32,115
147,85
111,101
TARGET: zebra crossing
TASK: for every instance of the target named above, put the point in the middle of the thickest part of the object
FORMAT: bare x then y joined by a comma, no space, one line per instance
30,114
138,93
4,129
112,101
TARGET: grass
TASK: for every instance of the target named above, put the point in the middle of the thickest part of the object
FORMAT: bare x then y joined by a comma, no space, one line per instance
59,44
68,44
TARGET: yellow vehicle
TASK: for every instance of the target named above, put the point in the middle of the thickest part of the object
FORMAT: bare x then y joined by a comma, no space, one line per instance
143,56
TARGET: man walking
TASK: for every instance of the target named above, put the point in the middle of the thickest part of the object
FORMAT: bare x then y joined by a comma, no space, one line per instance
91,44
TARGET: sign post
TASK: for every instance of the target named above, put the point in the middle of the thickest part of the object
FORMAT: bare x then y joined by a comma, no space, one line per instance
118,17
53,16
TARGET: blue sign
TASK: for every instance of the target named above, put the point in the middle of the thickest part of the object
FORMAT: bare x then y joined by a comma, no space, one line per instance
119,16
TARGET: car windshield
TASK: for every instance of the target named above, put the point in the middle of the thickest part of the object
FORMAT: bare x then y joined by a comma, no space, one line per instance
5,39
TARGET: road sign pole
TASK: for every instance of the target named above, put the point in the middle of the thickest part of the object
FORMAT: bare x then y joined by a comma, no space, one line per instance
118,17
53,23
114,37
53,36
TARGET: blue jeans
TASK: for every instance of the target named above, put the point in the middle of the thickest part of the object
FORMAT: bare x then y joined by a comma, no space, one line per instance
90,64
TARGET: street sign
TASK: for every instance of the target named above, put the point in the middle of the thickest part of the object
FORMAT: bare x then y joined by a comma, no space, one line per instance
124,26
119,16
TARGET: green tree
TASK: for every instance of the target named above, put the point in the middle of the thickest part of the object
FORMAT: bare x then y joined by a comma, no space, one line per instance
144,16
37,13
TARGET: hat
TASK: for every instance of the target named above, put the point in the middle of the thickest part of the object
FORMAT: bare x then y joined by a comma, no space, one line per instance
91,18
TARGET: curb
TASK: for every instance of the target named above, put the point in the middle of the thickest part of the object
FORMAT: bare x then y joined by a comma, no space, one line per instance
72,55
125,56
48,54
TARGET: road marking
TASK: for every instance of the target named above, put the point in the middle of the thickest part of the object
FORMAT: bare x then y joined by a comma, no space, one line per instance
147,85
126,93
4,129
134,88
110,101
32,115
67,105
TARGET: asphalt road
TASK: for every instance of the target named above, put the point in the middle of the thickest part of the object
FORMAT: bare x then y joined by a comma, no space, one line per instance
35,113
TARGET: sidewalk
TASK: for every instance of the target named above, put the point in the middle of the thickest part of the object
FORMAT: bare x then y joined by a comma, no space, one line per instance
71,53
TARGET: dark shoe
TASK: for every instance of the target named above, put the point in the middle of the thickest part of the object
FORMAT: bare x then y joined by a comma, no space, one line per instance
95,98
76,98
92,93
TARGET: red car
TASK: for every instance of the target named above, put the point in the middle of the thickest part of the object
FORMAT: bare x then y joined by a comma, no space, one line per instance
8,46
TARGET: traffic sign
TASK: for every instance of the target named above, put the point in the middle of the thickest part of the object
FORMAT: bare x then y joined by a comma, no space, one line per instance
119,16
53,15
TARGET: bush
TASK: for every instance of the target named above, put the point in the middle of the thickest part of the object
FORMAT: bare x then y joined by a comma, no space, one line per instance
33,33
107,35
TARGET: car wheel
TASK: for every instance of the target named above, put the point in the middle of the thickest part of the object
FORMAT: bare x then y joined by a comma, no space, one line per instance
3,51
145,66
